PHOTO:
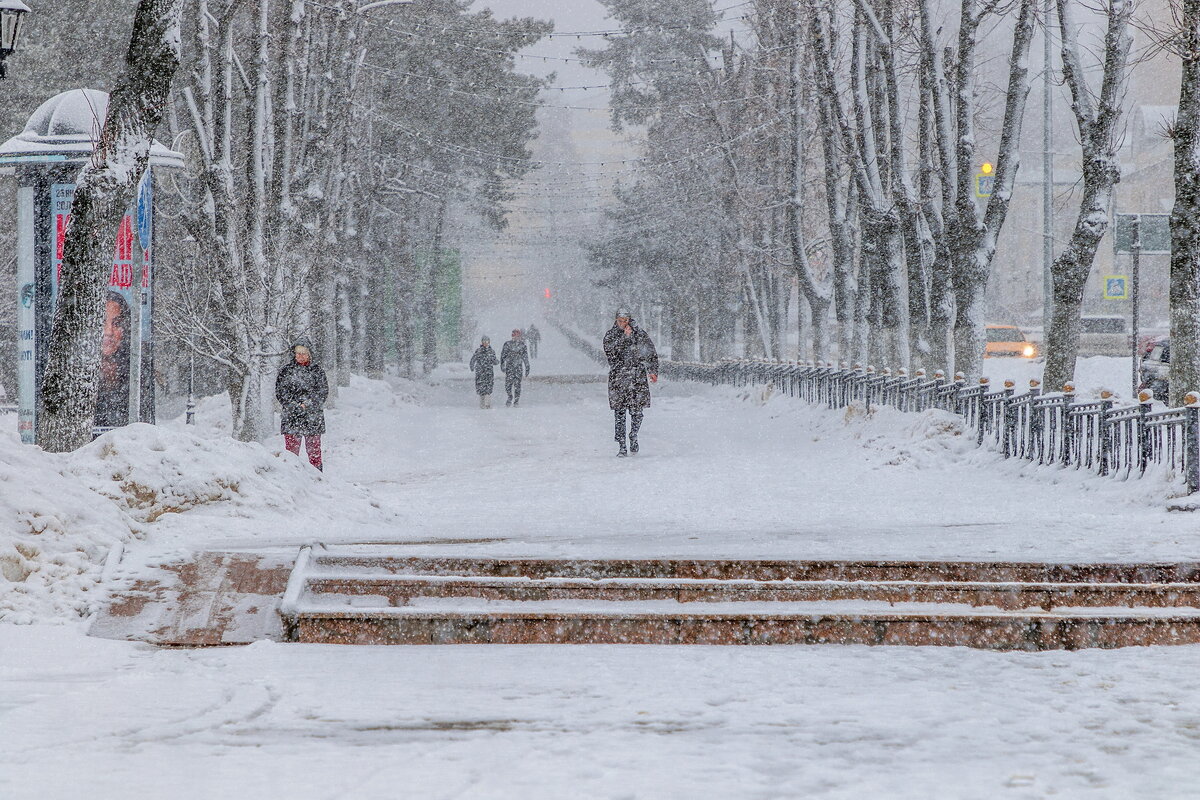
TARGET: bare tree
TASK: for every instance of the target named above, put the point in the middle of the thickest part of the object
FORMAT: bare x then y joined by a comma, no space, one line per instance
105,189
1098,118
974,232
1185,216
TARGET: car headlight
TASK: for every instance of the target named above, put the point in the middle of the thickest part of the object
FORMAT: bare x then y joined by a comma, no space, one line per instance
1029,351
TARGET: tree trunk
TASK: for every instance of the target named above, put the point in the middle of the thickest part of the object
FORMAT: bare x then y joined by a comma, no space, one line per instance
1185,216
974,238
104,192
1098,135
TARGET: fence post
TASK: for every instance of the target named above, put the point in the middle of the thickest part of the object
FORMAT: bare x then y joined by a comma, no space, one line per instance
980,422
1191,442
1102,430
1068,424
1145,401
1033,432
1007,419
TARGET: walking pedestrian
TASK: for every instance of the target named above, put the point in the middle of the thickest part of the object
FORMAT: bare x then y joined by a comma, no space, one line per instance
535,338
301,389
514,363
633,366
482,364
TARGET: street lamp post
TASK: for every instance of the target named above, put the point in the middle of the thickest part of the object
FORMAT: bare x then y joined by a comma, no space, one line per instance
11,12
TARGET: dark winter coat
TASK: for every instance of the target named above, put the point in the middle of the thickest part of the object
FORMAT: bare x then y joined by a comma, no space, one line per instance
483,362
631,359
514,358
302,391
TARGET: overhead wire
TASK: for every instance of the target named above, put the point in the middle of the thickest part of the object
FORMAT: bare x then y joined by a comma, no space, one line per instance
541,104
497,158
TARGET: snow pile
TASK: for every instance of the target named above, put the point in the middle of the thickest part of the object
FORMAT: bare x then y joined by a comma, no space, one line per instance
936,439
929,438
179,486
54,535
149,472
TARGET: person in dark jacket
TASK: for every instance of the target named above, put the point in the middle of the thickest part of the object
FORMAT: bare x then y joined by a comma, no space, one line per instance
535,338
633,366
482,364
514,363
301,389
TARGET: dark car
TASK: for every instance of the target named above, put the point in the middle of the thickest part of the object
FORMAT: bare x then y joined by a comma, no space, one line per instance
1156,368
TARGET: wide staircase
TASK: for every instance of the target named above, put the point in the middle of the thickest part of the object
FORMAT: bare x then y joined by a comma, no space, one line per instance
366,595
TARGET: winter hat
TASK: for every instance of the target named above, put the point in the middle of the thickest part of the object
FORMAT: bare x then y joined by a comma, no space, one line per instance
623,312
305,342
485,340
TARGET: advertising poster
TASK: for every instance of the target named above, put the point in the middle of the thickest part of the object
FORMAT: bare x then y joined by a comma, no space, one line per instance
26,317
126,308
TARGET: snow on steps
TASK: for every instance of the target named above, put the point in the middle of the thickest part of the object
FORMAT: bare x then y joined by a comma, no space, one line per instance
346,597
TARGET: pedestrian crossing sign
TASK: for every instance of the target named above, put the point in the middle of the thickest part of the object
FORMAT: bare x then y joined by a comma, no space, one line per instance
984,184
1116,287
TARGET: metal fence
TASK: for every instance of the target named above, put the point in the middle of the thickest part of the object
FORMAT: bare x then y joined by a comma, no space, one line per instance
1046,428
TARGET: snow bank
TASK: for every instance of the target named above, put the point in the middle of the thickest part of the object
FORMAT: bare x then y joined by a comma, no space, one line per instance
936,439
149,472
184,487
54,535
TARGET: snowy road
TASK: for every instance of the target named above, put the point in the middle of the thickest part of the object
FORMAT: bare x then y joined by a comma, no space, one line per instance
720,475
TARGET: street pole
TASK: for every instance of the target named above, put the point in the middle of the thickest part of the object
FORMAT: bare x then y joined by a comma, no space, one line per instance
1136,250
191,401
1047,172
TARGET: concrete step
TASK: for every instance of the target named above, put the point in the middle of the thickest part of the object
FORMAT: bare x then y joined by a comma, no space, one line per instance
341,596
399,590
348,560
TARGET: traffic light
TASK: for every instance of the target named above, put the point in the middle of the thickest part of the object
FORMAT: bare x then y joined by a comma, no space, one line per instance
546,294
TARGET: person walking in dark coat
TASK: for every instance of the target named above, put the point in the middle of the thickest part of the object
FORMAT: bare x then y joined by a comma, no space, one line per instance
301,389
514,363
633,366
483,363
535,338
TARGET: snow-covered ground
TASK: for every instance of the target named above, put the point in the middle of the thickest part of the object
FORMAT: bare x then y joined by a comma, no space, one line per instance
722,473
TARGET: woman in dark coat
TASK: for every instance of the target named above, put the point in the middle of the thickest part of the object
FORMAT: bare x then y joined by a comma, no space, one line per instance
483,363
301,389
633,366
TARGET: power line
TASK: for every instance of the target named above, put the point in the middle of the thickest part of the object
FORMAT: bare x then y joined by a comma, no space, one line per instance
541,104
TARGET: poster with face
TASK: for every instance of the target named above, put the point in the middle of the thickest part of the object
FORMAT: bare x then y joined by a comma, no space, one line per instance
127,325
112,399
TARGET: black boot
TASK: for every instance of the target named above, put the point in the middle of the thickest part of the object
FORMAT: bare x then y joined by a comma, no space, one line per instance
633,445
622,452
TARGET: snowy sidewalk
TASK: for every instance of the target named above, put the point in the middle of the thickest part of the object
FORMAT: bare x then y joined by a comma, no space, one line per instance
721,475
